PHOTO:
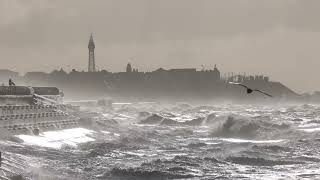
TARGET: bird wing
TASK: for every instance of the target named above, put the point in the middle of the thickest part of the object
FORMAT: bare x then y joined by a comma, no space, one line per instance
239,84
263,92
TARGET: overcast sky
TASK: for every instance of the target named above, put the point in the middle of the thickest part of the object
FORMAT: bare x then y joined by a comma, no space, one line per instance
279,38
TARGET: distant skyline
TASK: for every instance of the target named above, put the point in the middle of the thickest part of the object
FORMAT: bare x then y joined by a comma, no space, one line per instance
280,39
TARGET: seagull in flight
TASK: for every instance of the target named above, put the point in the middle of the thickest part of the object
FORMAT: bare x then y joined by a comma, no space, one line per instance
249,90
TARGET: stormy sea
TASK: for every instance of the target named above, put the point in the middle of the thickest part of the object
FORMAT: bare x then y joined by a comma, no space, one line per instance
176,141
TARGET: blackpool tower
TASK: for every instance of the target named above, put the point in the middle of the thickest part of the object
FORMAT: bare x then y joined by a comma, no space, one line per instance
91,64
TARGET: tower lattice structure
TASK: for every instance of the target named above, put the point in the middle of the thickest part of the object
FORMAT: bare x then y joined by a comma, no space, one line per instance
91,64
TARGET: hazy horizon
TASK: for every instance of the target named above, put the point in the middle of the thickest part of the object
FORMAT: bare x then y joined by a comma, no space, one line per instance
279,39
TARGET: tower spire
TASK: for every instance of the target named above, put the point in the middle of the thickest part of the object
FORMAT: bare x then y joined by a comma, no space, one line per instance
91,63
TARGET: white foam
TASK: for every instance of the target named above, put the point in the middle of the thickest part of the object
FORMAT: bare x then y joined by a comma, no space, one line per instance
234,140
55,139
147,102
122,103
110,133
212,143
106,132
124,116
311,129
145,125
135,154
310,125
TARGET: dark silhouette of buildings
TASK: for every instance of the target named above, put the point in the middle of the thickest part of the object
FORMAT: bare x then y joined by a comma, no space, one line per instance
91,63
160,83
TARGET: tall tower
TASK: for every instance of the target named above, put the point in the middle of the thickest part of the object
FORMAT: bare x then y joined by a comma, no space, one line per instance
91,64
129,68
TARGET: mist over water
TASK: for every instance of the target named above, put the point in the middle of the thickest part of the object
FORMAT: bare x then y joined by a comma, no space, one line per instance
179,140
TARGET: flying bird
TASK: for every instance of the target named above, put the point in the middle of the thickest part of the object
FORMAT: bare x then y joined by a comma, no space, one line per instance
249,90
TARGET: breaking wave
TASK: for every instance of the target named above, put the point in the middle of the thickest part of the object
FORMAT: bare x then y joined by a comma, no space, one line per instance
256,161
179,141
179,167
245,127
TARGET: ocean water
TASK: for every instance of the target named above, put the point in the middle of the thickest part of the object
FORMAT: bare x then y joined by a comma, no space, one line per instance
178,141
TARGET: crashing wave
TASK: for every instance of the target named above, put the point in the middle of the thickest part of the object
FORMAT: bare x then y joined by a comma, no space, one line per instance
177,168
165,119
235,128
274,148
148,173
244,127
154,119
197,145
143,114
256,161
